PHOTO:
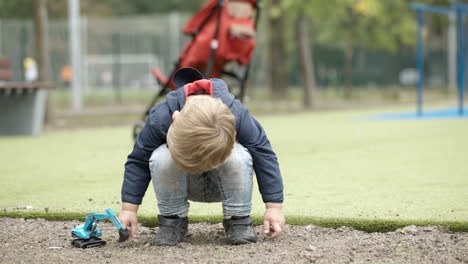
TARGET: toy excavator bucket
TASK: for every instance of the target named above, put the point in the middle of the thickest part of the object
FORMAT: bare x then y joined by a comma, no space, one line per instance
123,235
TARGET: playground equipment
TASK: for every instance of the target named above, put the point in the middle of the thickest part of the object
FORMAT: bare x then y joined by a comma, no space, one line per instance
87,235
460,10
222,32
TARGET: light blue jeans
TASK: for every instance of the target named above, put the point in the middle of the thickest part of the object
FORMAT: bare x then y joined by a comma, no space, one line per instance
230,184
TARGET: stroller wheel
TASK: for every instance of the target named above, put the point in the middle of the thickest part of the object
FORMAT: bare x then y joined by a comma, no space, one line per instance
137,128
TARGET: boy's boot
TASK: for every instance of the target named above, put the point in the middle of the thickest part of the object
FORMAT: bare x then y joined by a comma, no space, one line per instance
239,230
172,230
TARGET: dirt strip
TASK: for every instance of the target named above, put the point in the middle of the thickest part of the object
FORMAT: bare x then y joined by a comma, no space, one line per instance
41,241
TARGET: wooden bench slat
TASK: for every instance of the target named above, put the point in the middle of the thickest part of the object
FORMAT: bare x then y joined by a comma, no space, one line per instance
5,62
25,85
6,75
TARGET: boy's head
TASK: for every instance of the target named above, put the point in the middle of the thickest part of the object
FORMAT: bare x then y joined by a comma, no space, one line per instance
202,135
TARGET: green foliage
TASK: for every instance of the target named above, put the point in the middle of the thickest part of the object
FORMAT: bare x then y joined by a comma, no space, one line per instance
58,8
317,9
373,24
16,9
370,23
143,7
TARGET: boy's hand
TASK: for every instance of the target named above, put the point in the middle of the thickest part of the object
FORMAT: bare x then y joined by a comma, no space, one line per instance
128,218
273,220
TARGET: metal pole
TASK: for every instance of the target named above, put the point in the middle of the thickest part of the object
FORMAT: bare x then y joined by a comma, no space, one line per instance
116,70
461,61
214,42
1,31
174,37
420,61
85,69
23,51
247,69
75,53
452,52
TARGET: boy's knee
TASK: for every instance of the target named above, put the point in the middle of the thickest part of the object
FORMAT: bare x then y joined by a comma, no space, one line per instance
239,158
161,159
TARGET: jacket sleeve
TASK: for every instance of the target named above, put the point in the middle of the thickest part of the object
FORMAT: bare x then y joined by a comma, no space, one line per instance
137,174
253,137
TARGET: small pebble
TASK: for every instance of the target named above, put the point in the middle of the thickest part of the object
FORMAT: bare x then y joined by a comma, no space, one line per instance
311,248
412,229
427,229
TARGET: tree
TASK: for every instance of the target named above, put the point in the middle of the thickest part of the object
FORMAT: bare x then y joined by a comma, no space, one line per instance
276,48
303,33
42,47
306,14
372,24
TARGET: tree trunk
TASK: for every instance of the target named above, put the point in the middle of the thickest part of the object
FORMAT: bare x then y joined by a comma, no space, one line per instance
42,48
303,37
348,70
349,52
277,54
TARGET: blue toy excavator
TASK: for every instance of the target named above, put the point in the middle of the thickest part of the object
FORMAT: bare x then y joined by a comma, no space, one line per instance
87,235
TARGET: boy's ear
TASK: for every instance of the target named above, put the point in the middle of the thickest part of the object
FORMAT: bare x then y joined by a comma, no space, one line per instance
186,75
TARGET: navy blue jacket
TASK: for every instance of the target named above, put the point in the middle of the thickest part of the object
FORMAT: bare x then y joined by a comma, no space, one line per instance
250,134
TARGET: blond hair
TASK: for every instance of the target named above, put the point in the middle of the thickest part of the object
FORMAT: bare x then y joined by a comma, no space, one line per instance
202,136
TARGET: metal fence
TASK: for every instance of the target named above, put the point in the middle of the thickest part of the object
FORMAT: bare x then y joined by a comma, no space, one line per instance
104,43
120,51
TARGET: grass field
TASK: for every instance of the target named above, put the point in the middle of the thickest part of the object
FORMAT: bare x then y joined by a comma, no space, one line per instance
338,168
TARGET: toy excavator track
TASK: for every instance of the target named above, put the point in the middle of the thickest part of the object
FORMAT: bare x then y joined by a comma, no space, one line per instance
88,243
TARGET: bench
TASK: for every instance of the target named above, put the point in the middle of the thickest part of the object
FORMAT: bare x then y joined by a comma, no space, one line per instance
22,104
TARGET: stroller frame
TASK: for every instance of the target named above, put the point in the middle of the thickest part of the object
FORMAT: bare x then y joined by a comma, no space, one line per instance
213,46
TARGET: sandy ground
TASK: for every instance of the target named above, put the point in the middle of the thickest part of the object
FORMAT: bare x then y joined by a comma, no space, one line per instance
41,241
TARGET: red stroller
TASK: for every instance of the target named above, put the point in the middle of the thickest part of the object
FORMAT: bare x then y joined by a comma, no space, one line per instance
223,31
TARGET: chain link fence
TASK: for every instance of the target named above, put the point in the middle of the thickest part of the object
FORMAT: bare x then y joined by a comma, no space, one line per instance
119,52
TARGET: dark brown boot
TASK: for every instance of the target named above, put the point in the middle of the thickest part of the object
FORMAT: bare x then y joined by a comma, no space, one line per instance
239,230
172,230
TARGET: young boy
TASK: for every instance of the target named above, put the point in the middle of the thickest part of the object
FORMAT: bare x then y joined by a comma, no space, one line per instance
202,145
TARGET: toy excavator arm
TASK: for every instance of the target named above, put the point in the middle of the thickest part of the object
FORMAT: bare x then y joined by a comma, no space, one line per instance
88,229
123,232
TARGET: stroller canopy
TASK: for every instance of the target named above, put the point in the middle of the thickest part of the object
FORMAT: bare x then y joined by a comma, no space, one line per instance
234,31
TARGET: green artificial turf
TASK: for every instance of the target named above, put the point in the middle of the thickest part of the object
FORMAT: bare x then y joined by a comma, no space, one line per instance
338,169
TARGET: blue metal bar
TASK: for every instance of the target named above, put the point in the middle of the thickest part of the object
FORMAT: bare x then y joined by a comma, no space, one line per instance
460,10
440,9
461,6
461,61
433,9
420,60
461,93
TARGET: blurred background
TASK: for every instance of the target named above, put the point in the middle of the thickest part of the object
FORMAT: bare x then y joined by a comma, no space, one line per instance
317,54
320,72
